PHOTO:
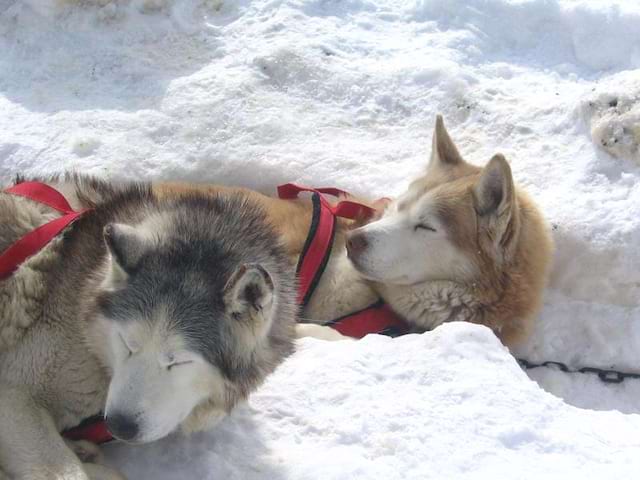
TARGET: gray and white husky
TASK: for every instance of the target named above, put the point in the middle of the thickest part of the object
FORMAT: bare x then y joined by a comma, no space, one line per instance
159,313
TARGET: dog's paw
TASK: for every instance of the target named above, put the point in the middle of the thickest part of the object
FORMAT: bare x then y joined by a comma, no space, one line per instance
318,331
100,472
204,417
87,452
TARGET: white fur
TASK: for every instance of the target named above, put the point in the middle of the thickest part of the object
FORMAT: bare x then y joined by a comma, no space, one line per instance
320,332
401,253
341,290
148,367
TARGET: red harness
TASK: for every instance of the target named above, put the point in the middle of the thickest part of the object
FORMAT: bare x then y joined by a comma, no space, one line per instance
377,318
93,429
36,239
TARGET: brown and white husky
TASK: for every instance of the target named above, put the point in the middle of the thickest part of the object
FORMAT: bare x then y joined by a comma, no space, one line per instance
462,243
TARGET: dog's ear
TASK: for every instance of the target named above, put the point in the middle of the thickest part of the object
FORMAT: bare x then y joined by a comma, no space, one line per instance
496,202
126,246
443,151
249,292
494,192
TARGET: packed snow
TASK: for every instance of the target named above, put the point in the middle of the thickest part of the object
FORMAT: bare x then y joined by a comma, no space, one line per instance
401,409
344,93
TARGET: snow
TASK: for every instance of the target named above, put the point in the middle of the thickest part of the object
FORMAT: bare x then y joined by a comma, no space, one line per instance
614,115
344,93
363,410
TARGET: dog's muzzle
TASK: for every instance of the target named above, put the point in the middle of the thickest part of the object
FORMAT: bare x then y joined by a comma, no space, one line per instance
356,244
123,427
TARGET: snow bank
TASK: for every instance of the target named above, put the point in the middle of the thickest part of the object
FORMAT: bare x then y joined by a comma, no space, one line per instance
344,93
596,35
447,404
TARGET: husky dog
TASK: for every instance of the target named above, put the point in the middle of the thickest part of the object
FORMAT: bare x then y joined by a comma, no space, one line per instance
462,243
159,313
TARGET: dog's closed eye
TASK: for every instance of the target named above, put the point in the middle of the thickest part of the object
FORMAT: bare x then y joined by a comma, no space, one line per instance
126,346
177,364
173,362
424,226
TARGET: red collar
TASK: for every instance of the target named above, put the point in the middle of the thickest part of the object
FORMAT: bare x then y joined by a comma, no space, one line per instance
377,318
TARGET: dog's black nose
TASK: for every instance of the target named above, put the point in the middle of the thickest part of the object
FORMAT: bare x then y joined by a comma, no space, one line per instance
122,426
356,243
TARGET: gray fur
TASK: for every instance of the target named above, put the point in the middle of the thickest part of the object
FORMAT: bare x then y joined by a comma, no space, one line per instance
55,365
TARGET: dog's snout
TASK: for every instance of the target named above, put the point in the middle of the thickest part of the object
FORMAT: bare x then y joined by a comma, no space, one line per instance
122,426
356,243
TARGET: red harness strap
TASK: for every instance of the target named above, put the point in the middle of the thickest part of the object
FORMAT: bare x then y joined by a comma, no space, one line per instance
93,429
377,318
35,240
317,247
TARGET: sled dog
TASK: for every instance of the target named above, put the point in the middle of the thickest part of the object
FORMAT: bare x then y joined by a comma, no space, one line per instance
462,243
158,313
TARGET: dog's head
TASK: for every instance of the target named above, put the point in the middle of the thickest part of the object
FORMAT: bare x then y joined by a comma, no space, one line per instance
452,223
197,308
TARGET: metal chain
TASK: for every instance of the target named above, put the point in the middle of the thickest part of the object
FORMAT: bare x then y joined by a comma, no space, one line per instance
607,376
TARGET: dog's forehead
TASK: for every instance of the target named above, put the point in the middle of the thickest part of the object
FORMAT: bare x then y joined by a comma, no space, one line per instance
160,332
419,189
450,204
417,204
438,177
193,266
424,199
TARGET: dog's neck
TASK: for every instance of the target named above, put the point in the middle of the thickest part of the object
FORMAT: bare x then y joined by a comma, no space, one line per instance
428,304
342,291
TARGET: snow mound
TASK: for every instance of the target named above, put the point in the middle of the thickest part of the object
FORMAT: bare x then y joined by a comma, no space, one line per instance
447,404
111,9
612,111
600,35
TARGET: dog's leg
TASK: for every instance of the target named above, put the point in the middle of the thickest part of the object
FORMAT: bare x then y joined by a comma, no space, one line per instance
87,452
31,447
100,472
318,331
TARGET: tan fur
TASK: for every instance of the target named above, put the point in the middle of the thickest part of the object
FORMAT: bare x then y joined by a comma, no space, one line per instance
507,249
22,293
507,292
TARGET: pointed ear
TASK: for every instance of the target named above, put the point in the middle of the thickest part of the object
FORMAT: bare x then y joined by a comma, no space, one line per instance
495,191
249,291
497,205
443,151
125,245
